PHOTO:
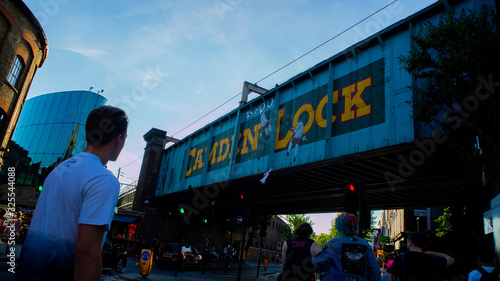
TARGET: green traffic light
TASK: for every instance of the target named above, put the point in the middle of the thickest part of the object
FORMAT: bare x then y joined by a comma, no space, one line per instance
40,188
205,221
181,210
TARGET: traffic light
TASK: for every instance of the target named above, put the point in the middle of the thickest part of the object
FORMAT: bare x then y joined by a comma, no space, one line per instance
242,203
206,213
185,202
41,179
352,198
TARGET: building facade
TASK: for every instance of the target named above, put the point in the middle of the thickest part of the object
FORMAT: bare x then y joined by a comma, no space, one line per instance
397,224
23,49
52,126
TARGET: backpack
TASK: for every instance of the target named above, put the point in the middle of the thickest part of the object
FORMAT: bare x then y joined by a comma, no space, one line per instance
486,276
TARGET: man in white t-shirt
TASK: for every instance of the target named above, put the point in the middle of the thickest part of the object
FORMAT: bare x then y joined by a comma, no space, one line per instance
76,207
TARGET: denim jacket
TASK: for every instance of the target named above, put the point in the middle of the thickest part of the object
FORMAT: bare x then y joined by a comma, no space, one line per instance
347,259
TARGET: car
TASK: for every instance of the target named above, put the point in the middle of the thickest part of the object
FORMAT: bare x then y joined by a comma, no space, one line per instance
113,256
167,256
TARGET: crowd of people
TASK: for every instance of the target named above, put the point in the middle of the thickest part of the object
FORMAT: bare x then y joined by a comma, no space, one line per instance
65,239
350,258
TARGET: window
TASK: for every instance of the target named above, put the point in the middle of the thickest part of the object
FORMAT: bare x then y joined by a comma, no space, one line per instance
15,71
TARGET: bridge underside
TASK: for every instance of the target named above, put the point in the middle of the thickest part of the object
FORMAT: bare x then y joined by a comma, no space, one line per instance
400,176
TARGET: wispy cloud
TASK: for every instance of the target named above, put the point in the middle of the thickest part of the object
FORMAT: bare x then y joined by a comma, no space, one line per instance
175,108
86,51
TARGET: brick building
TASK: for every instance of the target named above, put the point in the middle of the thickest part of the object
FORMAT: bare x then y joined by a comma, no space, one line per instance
23,49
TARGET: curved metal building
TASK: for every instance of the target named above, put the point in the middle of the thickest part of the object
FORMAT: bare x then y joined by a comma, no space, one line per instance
53,125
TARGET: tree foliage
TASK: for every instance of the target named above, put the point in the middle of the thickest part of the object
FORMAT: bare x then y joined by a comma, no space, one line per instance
322,239
295,220
444,222
367,234
455,64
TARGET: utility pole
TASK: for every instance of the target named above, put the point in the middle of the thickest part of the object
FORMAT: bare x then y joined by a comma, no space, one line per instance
245,224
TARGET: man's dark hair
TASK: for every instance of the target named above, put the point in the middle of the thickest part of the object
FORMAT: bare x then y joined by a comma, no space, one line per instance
486,250
304,230
418,239
104,124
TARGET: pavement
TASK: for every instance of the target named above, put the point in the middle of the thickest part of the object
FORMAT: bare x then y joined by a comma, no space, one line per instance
213,272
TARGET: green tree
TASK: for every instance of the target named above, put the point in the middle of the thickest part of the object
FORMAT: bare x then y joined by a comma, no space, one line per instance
444,222
367,234
455,64
333,231
322,239
293,221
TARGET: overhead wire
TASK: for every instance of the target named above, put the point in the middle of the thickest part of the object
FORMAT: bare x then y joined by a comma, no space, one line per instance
286,65
132,161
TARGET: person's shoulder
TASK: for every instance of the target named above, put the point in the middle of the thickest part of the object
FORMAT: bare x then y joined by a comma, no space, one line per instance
474,275
94,164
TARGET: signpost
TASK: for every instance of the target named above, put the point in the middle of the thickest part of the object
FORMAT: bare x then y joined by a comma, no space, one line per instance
384,239
420,212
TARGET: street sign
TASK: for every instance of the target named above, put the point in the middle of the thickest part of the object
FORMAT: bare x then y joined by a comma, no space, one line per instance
239,219
420,213
384,239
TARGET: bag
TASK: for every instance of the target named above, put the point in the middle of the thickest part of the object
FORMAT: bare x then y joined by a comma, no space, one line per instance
486,276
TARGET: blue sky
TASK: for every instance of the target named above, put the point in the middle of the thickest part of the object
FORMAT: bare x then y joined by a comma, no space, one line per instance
169,62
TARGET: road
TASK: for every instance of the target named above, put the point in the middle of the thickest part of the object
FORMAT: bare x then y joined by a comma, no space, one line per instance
131,272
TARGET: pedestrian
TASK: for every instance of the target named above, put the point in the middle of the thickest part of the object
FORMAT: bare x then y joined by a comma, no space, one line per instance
417,263
347,257
486,258
18,222
266,261
385,271
234,255
155,245
297,254
76,207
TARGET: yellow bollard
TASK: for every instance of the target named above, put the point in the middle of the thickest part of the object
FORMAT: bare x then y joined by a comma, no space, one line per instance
146,262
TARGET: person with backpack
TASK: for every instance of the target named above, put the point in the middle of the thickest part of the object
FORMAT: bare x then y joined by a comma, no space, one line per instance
487,270
347,257
417,264
297,254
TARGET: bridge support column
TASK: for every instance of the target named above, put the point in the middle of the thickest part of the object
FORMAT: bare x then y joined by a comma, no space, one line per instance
144,199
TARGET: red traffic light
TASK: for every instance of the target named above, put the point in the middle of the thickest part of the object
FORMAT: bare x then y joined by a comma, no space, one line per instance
351,187
242,196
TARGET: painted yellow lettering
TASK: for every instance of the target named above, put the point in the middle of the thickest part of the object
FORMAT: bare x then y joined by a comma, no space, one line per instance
198,164
350,101
320,120
281,143
213,151
249,138
192,154
224,147
309,110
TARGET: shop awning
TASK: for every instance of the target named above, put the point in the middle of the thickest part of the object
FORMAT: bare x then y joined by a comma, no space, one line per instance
127,219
